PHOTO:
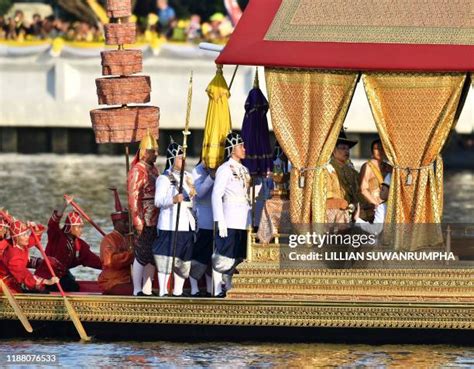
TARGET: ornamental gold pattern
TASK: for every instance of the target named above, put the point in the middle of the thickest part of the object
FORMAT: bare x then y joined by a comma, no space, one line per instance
367,314
443,22
414,113
308,108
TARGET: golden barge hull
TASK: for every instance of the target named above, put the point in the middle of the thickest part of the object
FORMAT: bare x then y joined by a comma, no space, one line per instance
270,303
378,317
112,317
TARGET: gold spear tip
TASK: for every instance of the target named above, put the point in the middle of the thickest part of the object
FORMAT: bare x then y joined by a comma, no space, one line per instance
255,81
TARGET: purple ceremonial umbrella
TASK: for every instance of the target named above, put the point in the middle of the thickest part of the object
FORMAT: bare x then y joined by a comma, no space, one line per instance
255,133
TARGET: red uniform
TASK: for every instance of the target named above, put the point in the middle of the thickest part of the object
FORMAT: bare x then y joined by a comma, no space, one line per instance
68,250
141,201
141,195
32,261
16,261
4,243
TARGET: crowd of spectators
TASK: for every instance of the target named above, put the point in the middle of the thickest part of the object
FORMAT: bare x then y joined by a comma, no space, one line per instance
18,28
163,24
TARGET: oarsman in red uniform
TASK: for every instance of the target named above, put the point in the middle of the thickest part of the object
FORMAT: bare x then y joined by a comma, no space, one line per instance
4,236
141,196
116,255
66,245
16,262
5,241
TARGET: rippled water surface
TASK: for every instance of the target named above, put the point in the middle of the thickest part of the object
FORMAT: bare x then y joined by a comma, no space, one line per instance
244,355
31,186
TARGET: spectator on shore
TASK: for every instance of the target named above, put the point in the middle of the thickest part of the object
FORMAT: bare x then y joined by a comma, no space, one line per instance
49,31
194,31
36,26
3,27
20,25
11,31
166,15
212,31
48,28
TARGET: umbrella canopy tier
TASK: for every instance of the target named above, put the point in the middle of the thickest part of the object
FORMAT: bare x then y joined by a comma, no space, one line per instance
120,33
125,124
123,90
119,8
121,62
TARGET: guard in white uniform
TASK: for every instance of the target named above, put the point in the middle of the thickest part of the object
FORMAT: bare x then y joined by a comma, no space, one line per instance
167,199
231,209
202,250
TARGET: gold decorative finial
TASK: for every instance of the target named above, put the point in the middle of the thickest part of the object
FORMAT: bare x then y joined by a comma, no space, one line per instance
255,81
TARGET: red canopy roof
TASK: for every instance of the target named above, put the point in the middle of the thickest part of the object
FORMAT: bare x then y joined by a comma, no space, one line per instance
418,35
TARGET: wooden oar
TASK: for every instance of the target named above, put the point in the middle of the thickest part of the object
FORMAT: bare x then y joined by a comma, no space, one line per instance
70,309
16,308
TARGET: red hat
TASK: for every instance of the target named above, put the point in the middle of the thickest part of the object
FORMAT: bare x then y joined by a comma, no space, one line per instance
5,219
119,213
73,218
17,228
4,223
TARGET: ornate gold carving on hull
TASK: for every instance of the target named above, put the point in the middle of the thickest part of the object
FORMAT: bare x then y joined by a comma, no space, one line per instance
265,295
249,313
375,21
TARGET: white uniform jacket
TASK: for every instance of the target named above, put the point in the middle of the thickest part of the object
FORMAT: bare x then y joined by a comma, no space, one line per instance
166,188
230,195
203,184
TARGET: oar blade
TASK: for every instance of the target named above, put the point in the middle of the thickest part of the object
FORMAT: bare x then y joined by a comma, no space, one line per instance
16,308
75,319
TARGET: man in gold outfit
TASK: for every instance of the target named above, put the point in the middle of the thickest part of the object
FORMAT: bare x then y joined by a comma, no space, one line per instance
144,215
343,191
372,174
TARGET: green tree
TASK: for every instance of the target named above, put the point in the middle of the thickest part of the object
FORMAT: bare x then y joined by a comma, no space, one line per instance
4,6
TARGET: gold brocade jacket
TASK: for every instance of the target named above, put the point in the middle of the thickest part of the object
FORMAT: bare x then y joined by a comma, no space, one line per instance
343,183
141,195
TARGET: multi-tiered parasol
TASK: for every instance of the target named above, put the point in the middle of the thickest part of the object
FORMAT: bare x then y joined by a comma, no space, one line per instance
123,123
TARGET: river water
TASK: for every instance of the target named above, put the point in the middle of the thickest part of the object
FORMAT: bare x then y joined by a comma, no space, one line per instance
32,185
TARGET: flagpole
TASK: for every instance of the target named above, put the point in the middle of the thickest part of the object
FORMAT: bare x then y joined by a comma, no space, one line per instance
186,133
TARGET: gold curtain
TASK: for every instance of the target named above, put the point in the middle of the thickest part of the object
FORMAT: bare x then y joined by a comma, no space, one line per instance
308,108
414,113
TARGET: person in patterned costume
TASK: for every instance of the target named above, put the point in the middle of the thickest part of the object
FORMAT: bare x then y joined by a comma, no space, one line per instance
343,191
372,174
141,195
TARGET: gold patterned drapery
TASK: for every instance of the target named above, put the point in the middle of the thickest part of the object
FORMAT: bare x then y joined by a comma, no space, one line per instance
308,108
414,113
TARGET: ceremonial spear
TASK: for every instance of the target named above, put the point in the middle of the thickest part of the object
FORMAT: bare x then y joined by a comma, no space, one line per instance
186,133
